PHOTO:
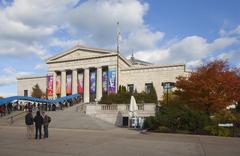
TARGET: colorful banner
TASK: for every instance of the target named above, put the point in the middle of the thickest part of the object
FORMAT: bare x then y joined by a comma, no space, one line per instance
105,81
58,84
93,82
80,83
112,80
69,84
50,85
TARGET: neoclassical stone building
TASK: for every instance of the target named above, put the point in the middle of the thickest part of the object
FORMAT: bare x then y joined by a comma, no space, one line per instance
91,72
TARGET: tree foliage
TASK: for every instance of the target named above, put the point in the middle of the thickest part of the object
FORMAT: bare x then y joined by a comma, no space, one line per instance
211,88
37,92
178,117
123,96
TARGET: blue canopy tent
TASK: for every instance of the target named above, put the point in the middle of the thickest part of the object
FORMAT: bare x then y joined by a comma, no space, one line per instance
13,98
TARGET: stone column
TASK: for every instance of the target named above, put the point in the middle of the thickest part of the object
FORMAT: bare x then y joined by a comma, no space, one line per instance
86,85
99,83
74,81
63,83
54,84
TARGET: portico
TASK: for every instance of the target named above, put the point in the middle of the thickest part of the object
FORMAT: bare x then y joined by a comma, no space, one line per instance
85,81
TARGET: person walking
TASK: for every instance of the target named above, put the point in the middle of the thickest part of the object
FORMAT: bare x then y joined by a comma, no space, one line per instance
29,124
38,119
46,121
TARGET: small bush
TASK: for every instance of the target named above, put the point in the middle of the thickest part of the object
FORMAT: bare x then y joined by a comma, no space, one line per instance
217,131
151,123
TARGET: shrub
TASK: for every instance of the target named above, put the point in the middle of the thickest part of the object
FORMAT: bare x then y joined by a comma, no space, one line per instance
217,131
124,97
151,123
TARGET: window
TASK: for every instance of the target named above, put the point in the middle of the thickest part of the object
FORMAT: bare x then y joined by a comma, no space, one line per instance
148,87
25,92
130,88
167,87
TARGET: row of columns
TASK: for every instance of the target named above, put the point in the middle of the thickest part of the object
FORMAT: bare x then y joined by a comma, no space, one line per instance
74,83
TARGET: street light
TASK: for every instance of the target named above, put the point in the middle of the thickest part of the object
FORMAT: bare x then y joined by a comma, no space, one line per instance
168,87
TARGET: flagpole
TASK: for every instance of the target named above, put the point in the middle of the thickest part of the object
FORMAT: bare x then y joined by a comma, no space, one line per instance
118,33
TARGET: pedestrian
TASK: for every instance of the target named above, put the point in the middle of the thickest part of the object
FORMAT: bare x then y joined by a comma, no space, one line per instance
38,119
29,124
46,121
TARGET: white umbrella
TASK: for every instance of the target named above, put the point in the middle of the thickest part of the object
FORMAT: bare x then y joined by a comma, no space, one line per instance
133,108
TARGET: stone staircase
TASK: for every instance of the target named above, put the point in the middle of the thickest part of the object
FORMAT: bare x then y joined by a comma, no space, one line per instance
71,118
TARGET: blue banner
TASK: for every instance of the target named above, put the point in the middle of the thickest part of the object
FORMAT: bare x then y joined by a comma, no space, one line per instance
93,82
105,81
112,80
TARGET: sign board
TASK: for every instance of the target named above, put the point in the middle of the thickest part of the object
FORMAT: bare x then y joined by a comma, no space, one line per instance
225,124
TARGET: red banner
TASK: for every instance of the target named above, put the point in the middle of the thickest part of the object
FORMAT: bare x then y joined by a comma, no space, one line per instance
80,83
50,85
58,84
69,84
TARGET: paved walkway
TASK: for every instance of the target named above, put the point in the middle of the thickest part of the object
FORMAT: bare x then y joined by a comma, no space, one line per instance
114,142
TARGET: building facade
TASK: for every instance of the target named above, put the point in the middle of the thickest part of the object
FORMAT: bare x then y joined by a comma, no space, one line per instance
93,72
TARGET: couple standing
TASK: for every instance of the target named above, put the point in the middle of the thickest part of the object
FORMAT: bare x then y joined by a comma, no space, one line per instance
39,120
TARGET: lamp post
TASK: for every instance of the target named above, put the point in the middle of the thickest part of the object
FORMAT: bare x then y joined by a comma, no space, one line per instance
168,87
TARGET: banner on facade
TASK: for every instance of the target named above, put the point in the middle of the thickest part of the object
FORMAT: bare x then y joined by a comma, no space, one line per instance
112,80
105,81
80,83
50,85
93,82
58,84
69,84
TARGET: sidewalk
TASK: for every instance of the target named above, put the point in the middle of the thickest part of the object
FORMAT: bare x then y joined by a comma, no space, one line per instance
114,142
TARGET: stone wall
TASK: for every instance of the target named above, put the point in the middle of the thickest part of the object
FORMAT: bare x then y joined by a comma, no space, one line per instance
114,113
151,74
28,82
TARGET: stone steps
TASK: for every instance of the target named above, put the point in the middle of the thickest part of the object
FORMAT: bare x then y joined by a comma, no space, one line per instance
69,118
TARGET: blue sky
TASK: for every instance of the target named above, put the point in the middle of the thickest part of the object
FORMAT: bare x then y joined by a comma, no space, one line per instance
162,32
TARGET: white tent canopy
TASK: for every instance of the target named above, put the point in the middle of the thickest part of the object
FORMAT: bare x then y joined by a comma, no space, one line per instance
133,107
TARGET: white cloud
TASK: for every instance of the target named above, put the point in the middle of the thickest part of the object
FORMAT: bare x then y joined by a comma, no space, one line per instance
10,74
66,43
9,70
32,27
155,55
233,32
35,22
222,43
142,39
192,65
224,56
187,50
19,49
40,67
7,80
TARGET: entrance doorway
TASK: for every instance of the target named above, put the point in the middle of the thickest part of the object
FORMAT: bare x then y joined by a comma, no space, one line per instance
125,122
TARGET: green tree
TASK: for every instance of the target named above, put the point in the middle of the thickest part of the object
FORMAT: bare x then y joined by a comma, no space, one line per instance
37,92
152,96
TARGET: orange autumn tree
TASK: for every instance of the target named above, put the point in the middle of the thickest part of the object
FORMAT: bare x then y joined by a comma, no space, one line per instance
211,88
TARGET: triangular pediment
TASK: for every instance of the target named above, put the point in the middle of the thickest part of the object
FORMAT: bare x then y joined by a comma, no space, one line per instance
79,52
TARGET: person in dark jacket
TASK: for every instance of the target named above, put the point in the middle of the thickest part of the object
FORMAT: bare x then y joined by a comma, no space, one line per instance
29,124
38,119
46,121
